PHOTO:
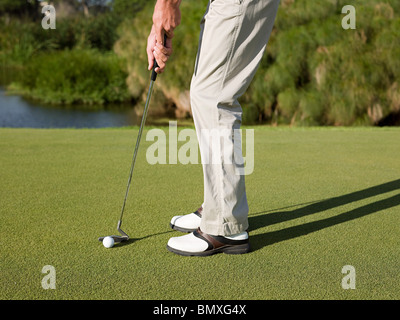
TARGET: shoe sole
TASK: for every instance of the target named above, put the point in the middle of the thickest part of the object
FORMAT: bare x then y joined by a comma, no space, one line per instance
229,249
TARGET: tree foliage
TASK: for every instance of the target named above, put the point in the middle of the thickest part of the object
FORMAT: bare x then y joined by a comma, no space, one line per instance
313,71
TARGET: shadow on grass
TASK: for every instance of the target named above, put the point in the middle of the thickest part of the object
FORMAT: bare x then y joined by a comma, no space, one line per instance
270,217
133,240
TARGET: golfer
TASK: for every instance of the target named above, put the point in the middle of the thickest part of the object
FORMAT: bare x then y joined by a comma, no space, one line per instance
233,37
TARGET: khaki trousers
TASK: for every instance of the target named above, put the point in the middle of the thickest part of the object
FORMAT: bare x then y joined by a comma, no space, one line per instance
233,37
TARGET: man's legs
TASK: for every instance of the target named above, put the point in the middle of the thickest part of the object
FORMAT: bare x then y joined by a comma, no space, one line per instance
234,34
233,40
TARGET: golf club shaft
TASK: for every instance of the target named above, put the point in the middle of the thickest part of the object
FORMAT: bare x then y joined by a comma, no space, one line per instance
146,107
144,116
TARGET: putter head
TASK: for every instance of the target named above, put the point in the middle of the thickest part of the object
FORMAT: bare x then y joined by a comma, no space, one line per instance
121,238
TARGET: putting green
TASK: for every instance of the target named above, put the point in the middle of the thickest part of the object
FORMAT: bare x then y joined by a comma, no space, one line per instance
320,199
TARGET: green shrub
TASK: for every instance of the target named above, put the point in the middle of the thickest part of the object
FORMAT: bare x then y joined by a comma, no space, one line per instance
127,8
312,73
319,74
74,76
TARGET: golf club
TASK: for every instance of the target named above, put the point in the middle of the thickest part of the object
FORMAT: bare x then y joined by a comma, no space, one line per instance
124,236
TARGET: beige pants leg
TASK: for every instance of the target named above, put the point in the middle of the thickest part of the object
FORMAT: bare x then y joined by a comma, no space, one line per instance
234,34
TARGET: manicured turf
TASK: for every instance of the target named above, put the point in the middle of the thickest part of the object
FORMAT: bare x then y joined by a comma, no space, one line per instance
319,199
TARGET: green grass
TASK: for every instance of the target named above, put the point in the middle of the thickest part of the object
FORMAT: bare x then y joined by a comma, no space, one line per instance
319,199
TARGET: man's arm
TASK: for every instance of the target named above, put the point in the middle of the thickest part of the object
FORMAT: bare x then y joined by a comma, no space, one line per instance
166,18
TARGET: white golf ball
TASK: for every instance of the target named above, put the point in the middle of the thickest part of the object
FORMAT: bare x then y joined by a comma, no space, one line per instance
108,242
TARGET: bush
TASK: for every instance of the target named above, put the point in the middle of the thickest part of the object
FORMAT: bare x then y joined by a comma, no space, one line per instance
319,74
86,32
74,76
132,47
312,73
127,8
21,38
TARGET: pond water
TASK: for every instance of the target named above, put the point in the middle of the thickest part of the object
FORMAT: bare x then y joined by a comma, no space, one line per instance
16,112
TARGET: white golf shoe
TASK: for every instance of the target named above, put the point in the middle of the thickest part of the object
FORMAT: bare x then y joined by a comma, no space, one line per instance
198,243
188,222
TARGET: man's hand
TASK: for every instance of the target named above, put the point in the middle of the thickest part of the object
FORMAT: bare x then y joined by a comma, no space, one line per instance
166,18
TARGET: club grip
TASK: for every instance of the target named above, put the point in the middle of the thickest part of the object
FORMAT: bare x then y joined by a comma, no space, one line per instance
154,73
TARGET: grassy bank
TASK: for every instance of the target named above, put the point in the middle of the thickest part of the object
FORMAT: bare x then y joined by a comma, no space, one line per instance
319,199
